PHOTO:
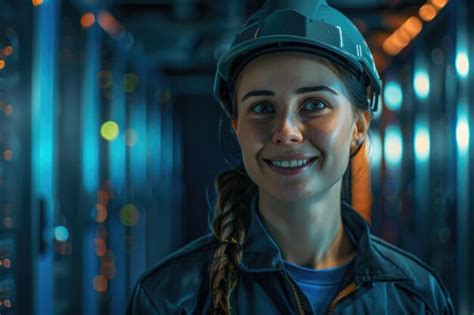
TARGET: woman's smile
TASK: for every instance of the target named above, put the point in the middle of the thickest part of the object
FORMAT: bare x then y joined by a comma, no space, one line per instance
298,120
292,167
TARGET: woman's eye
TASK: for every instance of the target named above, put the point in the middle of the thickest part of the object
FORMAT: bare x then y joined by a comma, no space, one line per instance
315,105
262,108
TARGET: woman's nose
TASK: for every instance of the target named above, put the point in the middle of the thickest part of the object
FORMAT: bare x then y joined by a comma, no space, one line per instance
287,130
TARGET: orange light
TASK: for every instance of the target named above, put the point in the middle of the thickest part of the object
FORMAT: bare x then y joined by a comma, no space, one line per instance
102,197
7,155
427,12
8,110
390,47
400,40
100,283
101,214
87,20
2,64
100,247
8,50
439,3
37,2
108,22
403,34
413,26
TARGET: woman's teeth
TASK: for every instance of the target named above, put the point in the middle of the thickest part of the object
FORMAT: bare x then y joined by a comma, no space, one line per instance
291,163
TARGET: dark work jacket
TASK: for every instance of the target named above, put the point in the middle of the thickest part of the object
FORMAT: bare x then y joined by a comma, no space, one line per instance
384,279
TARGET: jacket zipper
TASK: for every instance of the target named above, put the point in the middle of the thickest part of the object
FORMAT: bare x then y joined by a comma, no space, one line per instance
297,296
350,289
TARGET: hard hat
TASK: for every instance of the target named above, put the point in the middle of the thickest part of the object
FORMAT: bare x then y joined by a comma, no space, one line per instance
310,26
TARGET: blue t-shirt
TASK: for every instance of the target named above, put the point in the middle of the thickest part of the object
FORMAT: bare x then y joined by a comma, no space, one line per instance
319,285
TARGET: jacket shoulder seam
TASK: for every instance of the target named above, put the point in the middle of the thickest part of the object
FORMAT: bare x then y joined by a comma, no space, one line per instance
419,262
183,251
419,296
408,255
155,307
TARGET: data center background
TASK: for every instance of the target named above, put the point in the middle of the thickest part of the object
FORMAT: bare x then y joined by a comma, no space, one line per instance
109,140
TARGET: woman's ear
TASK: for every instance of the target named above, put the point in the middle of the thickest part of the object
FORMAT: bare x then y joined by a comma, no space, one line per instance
361,128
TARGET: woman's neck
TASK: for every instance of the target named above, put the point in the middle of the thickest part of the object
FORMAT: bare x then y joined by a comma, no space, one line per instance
309,234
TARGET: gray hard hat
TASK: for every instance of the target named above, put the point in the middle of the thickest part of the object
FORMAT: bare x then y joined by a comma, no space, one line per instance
310,26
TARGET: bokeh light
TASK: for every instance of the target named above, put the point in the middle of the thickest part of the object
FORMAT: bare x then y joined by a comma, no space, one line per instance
100,247
7,155
462,64
2,64
131,137
129,215
7,51
8,110
422,142
439,3
462,133
130,82
61,233
100,213
109,130
87,19
6,263
100,283
421,83
8,222
102,197
427,12
393,95
393,146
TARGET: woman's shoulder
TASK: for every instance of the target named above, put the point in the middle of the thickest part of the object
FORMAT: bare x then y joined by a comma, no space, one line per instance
177,278
423,281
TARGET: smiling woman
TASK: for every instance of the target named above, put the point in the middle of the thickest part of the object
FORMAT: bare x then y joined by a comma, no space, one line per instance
298,85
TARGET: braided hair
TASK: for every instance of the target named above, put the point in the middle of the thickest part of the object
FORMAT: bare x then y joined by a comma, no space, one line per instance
234,189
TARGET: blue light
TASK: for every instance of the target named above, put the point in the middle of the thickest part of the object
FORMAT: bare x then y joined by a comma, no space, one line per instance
462,131
462,64
422,141
393,95
61,233
393,146
421,83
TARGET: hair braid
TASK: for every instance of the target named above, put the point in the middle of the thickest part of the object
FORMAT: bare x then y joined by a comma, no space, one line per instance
234,191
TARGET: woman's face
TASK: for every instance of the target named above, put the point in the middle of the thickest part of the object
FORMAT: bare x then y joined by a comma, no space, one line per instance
290,104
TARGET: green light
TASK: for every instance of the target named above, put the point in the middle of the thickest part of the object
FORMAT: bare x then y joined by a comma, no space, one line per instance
130,82
129,215
109,130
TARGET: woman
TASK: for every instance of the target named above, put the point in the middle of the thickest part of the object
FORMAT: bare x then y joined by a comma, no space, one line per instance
298,84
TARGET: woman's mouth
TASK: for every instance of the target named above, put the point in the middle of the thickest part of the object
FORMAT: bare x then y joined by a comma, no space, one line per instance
291,167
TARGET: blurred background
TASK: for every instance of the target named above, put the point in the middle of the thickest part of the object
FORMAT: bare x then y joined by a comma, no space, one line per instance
110,140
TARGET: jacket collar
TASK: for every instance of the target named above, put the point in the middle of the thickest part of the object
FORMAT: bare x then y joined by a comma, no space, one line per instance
261,253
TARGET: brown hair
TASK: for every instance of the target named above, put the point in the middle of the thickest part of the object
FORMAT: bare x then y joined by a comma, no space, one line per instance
235,189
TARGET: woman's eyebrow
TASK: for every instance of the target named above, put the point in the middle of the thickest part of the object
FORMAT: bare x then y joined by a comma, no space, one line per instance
315,89
302,90
257,93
